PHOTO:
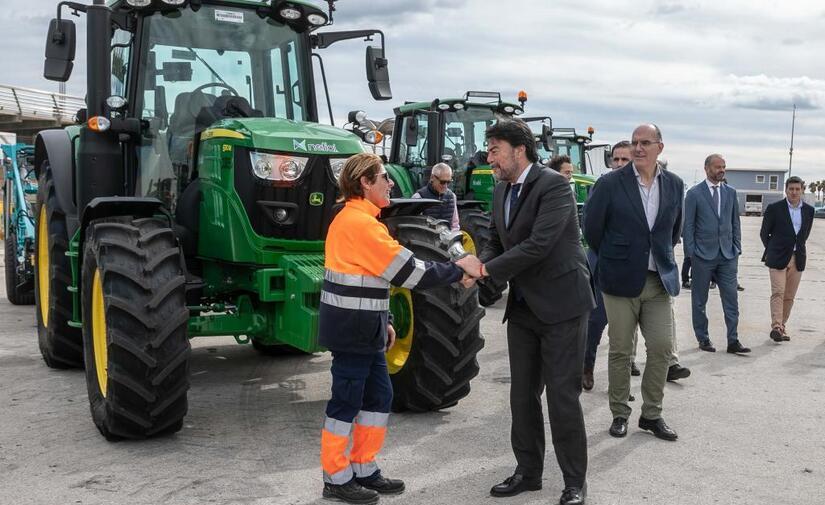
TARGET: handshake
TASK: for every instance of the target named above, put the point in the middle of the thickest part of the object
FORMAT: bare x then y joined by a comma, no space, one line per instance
473,270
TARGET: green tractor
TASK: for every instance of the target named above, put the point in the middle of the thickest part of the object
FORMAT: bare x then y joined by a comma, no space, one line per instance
452,131
193,199
19,193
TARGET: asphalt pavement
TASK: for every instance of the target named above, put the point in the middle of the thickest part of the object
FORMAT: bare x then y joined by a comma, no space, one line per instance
751,428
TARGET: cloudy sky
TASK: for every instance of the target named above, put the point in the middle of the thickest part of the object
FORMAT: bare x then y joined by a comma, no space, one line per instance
716,76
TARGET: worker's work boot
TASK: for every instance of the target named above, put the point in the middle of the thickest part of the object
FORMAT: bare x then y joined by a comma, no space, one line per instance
351,492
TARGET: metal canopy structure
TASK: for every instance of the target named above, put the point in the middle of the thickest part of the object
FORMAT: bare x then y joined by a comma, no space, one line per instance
25,111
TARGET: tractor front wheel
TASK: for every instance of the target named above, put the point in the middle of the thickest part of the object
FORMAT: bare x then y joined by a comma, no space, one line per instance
475,230
437,330
17,290
135,328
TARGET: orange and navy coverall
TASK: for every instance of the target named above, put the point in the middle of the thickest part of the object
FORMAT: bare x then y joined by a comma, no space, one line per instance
362,261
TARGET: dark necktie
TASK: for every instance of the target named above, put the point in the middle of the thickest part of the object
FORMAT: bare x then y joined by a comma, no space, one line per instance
715,198
514,189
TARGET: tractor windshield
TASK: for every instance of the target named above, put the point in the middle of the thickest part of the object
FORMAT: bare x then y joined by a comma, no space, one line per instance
570,147
191,64
464,134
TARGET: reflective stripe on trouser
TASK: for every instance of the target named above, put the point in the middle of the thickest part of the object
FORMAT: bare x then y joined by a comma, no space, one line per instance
369,431
360,403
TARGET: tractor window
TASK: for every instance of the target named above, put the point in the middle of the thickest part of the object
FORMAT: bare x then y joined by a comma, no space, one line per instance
464,134
121,49
288,99
416,156
571,148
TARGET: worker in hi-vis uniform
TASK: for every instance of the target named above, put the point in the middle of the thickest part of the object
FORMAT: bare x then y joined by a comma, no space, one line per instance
362,261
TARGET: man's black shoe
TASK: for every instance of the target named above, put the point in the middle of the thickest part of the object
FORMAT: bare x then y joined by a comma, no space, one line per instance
739,287
785,337
686,284
634,370
659,428
383,485
676,372
618,428
737,348
351,492
573,495
707,346
776,335
514,485
712,285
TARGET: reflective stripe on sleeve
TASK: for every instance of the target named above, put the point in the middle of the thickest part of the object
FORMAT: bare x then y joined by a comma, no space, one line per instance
415,276
397,263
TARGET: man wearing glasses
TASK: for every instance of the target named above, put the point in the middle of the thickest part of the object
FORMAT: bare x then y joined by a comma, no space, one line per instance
632,220
438,188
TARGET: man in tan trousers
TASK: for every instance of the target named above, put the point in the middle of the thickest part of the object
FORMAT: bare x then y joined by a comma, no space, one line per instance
785,228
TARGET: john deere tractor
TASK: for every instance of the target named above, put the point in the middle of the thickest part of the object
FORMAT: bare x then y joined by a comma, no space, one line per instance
19,193
452,131
193,199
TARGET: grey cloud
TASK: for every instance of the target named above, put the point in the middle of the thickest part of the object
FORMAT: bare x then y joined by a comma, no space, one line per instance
792,42
667,9
393,12
774,104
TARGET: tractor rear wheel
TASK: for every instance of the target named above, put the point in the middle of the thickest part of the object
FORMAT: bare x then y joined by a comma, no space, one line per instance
60,344
437,330
16,291
135,328
475,230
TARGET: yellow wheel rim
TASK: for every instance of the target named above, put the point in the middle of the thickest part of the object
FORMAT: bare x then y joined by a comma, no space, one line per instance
468,243
43,264
99,334
402,312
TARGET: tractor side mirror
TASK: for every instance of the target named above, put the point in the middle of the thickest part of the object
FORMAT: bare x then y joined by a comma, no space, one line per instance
177,71
60,49
434,138
378,74
411,132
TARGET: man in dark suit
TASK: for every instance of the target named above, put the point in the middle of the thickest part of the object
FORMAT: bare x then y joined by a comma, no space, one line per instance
632,220
713,242
535,245
786,225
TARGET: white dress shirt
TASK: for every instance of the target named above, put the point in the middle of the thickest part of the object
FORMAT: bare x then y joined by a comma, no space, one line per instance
796,216
650,201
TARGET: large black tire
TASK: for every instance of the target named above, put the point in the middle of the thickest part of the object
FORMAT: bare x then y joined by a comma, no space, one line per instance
135,328
444,327
17,291
60,344
475,224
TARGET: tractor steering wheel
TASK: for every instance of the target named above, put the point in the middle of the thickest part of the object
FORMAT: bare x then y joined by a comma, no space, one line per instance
216,85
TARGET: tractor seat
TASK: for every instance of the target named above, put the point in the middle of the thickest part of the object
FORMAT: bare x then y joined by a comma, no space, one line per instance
224,106
183,121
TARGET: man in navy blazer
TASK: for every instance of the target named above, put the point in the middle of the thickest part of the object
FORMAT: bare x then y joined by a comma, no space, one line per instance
713,242
786,225
632,220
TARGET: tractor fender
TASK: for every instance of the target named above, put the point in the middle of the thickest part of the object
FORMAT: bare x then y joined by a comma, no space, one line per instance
56,147
470,204
111,206
407,207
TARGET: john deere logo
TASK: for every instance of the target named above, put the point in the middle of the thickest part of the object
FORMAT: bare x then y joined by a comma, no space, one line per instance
316,199
302,145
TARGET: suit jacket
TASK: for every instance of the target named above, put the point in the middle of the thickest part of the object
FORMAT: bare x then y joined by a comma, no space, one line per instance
778,235
615,227
707,234
540,251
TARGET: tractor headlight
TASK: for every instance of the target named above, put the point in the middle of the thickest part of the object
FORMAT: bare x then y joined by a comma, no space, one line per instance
337,166
174,2
317,19
290,13
138,3
277,167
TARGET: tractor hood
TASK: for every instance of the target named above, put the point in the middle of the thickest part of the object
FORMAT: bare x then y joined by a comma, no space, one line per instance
285,135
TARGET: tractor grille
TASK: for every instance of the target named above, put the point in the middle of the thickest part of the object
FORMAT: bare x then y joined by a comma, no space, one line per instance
260,198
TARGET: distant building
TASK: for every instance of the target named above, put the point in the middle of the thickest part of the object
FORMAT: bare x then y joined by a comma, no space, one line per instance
756,188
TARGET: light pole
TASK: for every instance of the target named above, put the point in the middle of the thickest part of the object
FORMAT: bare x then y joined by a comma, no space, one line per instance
790,153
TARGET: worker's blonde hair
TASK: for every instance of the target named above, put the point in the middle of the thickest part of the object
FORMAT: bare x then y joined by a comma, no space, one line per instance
360,165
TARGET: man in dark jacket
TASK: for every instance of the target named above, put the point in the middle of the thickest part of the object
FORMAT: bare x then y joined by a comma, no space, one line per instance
534,244
632,220
786,225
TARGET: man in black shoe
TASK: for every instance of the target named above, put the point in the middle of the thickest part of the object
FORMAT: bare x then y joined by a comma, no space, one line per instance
632,220
713,241
535,245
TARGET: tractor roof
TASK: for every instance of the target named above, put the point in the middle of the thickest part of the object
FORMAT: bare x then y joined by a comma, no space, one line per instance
486,99
235,3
